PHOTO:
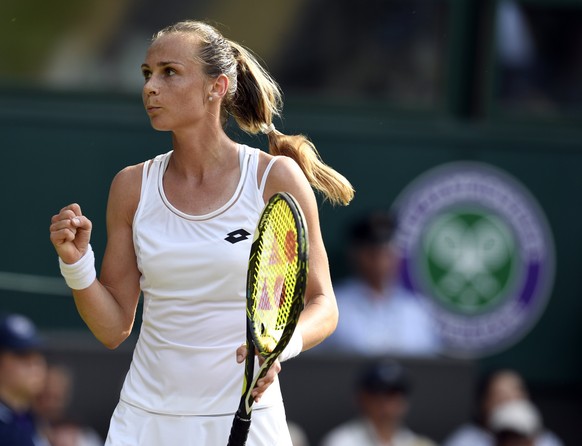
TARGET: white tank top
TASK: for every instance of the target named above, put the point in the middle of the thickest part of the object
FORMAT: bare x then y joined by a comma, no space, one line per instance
193,277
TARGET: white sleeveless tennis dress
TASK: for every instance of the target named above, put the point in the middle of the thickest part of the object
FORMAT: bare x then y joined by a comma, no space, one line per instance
184,384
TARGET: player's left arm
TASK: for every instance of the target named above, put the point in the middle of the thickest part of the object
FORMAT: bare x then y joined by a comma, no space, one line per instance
319,318
320,315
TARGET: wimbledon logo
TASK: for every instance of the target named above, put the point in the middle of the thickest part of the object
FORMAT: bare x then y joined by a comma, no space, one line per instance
477,250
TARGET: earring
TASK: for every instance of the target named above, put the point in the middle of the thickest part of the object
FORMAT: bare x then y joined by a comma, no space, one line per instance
210,98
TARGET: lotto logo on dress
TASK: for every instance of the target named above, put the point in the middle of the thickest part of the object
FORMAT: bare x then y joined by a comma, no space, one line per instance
477,250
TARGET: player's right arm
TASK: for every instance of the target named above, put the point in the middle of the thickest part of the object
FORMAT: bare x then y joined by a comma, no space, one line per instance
109,304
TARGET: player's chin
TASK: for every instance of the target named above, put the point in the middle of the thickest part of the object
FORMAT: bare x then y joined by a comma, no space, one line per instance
159,125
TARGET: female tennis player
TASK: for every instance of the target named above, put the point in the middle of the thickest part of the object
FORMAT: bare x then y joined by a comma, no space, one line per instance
179,230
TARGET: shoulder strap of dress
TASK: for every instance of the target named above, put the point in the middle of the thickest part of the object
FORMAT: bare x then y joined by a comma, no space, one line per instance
266,174
149,179
147,165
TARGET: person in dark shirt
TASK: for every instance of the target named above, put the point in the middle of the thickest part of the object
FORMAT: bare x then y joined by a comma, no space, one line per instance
22,375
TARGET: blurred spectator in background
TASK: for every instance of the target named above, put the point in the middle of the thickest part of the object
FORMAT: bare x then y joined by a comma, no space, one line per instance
539,57
52,405
22,375
516,423
382,391
517,55
376,315
494,390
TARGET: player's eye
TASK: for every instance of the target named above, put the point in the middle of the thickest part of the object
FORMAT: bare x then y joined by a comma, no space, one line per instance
169,71
146,74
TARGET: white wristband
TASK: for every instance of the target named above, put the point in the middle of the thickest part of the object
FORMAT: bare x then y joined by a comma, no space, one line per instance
81,274
294,347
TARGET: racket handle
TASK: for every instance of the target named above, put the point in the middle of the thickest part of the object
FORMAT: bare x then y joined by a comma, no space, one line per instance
239,431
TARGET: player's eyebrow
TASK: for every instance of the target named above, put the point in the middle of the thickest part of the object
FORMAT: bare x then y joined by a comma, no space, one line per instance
163,63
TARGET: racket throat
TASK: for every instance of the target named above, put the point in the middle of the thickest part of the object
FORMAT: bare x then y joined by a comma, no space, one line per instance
249,400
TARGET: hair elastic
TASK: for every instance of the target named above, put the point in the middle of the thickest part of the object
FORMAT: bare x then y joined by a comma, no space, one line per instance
267,128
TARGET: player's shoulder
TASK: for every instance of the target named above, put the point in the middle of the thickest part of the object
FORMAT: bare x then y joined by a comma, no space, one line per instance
128,178
284,166
125,190
286,175
132,174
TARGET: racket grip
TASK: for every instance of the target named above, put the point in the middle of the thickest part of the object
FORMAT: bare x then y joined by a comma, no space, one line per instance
239,431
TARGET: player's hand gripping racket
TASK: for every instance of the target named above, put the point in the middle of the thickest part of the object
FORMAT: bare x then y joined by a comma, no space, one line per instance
276,282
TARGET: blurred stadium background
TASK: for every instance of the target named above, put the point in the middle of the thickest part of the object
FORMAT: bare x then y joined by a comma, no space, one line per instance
386,88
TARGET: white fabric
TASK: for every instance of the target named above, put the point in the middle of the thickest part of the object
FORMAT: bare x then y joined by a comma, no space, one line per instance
473,435
88,437
294,347
392,323
360,433
517,416
469,434
81,274
193,282
132,426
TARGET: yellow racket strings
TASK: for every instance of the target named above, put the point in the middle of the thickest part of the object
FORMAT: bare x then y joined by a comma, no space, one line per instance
276,275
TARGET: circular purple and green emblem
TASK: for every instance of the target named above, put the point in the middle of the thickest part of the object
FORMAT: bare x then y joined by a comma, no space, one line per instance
477,250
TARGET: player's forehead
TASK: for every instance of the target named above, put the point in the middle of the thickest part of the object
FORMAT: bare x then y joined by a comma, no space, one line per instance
179,46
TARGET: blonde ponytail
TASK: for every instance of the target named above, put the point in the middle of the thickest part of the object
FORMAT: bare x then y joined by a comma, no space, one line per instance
334,186
257,101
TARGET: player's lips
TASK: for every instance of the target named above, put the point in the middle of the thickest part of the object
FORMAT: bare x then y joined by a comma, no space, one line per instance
152,108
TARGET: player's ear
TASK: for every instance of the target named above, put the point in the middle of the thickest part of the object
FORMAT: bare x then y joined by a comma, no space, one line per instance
219,86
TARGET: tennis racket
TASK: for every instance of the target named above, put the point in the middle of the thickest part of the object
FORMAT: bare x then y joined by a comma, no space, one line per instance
276,281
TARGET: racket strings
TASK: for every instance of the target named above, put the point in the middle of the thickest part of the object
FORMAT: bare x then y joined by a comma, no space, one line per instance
275,275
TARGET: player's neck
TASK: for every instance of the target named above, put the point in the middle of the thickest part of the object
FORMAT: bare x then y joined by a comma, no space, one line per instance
197,155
